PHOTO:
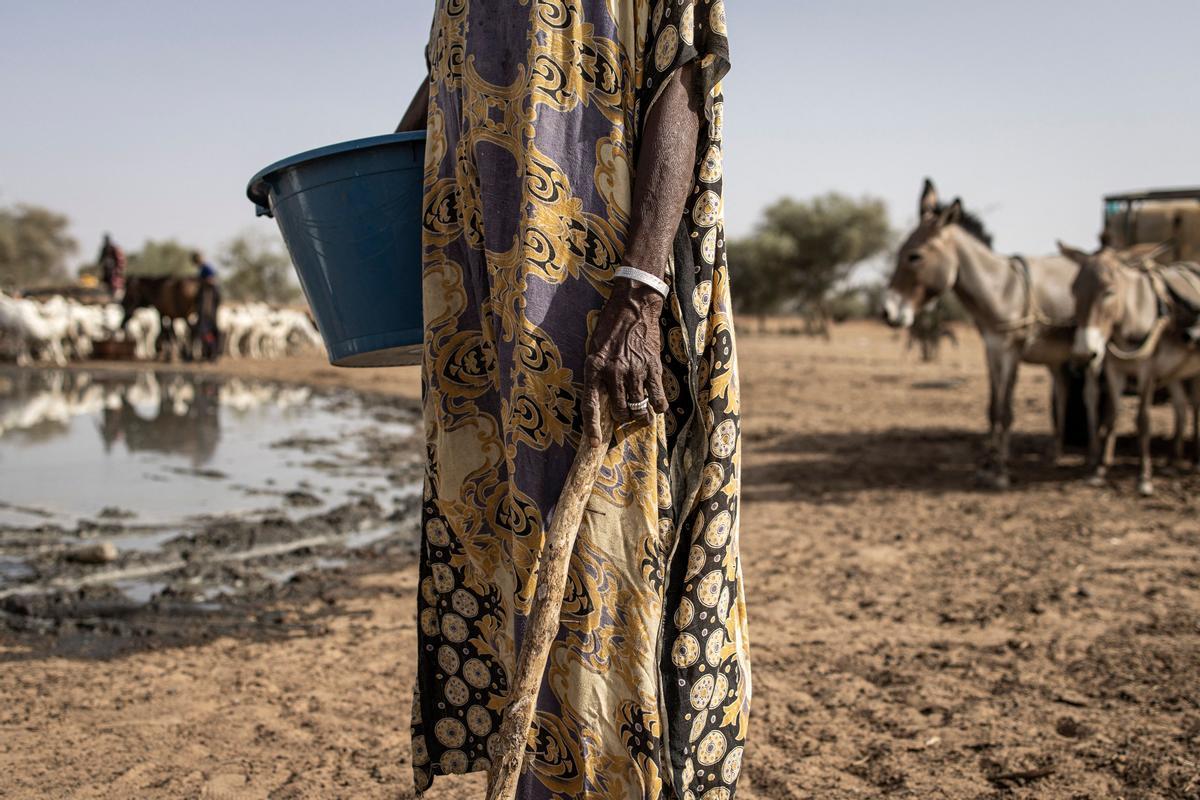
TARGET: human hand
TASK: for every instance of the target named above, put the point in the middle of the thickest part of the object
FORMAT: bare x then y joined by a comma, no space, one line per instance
625,361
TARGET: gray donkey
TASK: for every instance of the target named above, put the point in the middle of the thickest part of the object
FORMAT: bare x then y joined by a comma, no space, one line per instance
1133,324
1023,307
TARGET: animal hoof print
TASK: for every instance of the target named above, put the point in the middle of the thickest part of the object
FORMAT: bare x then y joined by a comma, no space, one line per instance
1146,489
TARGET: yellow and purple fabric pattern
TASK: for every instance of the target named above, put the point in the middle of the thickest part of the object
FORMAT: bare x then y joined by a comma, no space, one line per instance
536,108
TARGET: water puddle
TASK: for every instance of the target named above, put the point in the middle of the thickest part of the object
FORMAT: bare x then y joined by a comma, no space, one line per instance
143,542
191,478
12,569
141,591
168,447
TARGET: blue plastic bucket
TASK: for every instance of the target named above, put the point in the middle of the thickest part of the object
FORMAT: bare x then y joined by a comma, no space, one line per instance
350,215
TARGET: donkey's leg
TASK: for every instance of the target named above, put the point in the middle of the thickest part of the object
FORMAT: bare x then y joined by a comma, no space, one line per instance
1115,386
1059,395
1179,403
1194,399
1145,402
994,351
1002,365
1012,364
1091,400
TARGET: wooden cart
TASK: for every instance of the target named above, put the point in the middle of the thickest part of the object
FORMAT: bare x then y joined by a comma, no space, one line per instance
1170,216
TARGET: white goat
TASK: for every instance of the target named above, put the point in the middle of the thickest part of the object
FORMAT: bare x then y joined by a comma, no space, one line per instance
62,328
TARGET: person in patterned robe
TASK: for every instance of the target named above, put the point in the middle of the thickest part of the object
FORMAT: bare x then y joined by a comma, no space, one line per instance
567,139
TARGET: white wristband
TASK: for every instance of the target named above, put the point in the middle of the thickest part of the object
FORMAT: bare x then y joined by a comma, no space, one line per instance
643,277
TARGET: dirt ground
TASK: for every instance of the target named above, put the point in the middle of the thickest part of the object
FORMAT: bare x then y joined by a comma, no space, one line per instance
913,633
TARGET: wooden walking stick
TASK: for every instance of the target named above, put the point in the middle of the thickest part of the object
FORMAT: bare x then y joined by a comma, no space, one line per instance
543,622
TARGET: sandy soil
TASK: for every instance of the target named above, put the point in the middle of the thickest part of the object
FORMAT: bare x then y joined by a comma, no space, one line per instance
914,634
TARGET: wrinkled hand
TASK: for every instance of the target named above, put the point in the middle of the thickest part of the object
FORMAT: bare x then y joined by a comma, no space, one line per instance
625,361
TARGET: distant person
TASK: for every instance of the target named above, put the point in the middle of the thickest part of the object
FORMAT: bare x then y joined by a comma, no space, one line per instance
208,300
112,266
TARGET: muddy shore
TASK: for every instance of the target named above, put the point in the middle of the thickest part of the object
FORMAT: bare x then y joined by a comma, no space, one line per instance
218,493
913,633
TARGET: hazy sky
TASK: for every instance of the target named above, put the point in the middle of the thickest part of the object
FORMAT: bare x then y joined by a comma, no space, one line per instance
146,118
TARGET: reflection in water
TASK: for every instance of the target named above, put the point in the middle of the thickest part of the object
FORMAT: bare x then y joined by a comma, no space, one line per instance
241,476
164,448
172,414
189,427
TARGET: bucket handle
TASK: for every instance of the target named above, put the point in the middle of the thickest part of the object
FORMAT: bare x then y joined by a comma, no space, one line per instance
262,204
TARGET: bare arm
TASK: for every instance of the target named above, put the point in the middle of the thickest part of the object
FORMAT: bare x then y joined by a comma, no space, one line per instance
625,360
664,174
418,110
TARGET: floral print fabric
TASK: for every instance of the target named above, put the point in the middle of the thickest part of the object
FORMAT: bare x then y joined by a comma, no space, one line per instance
535,113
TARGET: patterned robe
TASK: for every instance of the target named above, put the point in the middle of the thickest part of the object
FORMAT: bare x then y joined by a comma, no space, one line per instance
535,114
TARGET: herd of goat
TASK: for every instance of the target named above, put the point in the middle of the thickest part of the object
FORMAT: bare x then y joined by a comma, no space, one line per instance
57,396
60,329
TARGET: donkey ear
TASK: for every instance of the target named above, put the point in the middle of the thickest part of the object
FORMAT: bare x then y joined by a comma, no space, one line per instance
929,199
1078,256
953,214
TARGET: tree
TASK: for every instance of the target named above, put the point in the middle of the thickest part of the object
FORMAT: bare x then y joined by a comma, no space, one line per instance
257,268
761,263
162,259
802,250
851,302
34,246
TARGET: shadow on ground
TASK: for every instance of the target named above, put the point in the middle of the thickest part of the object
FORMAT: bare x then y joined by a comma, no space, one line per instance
832,467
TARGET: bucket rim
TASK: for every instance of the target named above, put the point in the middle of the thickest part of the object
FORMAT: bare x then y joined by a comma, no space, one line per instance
256,189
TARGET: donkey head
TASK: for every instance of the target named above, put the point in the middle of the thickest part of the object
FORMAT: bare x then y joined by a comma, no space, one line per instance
927,264
1100,299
